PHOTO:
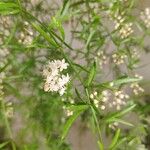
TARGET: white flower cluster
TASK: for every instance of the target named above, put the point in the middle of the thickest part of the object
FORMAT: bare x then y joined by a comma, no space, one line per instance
3,57
5,26
125,29
119,99
119,59
102,58
135,53
3,54
67,111
109,99
9,110
145,16
94,97
115,99
136,87
55,80
26,36
114,125
4,60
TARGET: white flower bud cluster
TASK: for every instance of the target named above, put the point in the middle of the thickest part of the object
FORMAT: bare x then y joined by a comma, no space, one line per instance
114,125
94,97
118,21
119,99
70,100
135,53
109,99
3,57
26,36
67,111
102,58
104,98
9,110
100,101
145,16
125,29
55,80
5,26
119,59
115,99
136,87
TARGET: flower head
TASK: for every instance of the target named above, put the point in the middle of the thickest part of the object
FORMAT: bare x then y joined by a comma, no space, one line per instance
145,16
55,80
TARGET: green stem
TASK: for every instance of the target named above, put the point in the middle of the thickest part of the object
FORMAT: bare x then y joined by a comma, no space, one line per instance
19,3
7,124
95,118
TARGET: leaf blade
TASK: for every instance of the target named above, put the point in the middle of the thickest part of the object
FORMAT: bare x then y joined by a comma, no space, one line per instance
91,74
115,139
71,120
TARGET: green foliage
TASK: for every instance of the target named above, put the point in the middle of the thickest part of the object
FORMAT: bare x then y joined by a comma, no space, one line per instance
91,75
9,8
77,110
93,37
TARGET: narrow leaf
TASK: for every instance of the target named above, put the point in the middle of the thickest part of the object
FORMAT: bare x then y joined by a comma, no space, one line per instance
100,145
115,139
77,107
119,114
120,121
71,120
44,34
9,8
124,81
3,144
91,74
78,94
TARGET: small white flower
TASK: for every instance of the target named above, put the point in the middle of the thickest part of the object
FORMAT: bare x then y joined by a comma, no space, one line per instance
136,88
67,111
145,16
113,99
102,107
91,96
95,93
55,80
119,59
124,28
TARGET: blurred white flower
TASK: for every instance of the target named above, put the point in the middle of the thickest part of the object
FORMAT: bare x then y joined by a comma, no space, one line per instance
145,16
94,98
9,110
137,89
55,80
124,28
113,99
103,59
67,111
119,59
